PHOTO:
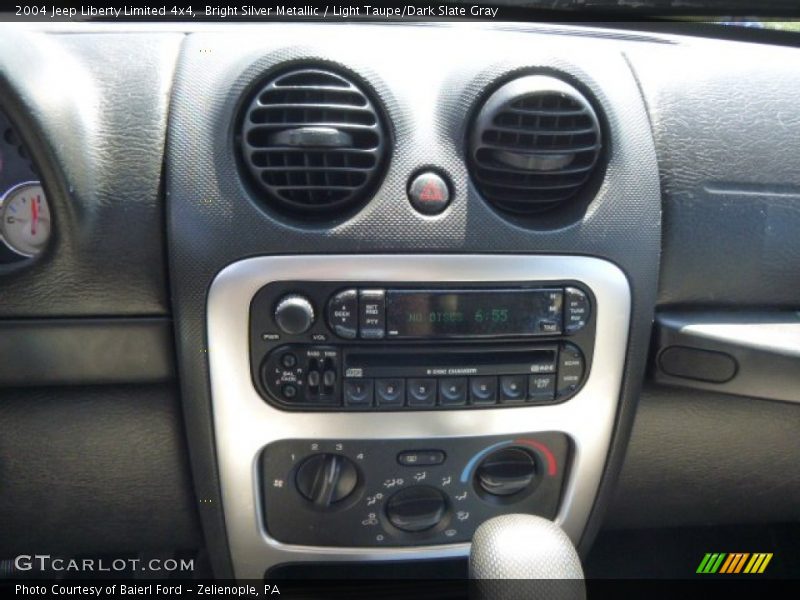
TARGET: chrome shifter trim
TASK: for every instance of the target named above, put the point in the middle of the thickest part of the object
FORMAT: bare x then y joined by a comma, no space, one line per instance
244,423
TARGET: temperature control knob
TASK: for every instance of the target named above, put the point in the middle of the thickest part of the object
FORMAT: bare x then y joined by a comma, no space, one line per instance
326,479
506,472
294,314
416,508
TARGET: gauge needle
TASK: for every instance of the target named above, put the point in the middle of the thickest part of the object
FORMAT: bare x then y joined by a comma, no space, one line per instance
34,215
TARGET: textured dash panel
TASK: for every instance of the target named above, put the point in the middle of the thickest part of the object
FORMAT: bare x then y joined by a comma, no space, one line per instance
94,471
430,78
727,130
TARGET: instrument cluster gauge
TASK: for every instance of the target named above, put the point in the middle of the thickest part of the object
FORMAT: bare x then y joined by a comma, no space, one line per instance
25,219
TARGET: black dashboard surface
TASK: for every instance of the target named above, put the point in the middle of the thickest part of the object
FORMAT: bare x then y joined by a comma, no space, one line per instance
97,133
727,135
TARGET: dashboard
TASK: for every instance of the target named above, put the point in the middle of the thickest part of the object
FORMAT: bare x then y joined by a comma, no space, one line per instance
350,304
400,122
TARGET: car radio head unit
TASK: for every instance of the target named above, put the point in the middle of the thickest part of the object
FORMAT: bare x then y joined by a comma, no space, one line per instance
359,347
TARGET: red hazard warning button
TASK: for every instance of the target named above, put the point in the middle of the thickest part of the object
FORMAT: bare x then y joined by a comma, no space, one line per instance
429,193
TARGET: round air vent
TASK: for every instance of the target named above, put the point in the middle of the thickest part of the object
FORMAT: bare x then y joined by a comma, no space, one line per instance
533,145
313,141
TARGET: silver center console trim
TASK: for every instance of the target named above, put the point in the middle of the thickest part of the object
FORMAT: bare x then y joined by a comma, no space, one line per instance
244,423
773,336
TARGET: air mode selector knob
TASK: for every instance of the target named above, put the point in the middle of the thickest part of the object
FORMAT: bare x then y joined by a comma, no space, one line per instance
294,314
416,508
506,472
326,479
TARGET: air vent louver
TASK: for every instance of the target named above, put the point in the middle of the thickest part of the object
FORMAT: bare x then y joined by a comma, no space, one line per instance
533,145
313,141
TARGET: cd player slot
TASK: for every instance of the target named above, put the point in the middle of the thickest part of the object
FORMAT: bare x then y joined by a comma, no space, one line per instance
449,363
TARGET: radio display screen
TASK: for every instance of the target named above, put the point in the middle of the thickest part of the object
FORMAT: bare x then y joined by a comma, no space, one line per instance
473,313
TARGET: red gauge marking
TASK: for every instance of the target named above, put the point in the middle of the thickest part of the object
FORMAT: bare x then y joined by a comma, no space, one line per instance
34,215
548,455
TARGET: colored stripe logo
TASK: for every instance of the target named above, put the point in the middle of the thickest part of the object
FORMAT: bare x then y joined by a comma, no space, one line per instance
734,563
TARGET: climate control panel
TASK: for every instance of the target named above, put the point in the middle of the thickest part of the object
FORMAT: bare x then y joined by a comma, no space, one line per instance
406,492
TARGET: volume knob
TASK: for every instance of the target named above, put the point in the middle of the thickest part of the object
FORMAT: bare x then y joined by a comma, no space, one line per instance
294,314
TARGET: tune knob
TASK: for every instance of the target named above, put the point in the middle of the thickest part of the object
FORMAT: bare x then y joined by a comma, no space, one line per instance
326,479
506,472
294,314
416,508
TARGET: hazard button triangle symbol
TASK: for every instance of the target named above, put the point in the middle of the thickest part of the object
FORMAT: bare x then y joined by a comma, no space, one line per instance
431,193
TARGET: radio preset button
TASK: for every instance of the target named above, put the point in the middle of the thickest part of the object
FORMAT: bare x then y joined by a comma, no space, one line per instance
358,392
577,310
389,392
421,392
343,314
542,388
372,314
570,369
483,390
512,388
453,391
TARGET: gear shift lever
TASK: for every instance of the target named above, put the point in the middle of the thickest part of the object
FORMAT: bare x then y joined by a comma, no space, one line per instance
531,550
